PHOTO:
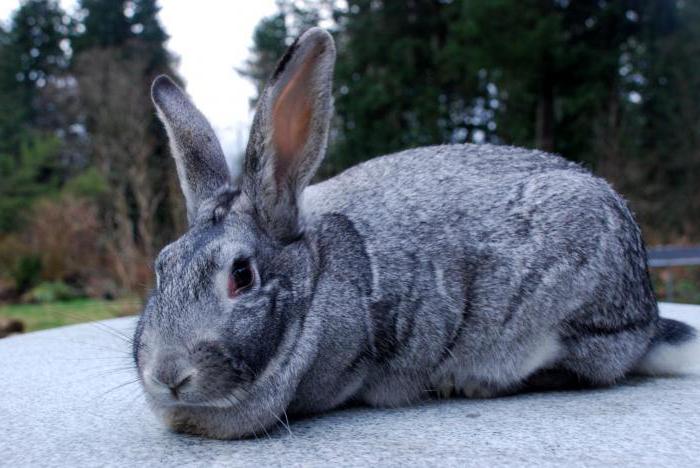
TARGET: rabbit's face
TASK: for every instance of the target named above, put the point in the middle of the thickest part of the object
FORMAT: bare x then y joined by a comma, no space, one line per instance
223,299
225,338
217,314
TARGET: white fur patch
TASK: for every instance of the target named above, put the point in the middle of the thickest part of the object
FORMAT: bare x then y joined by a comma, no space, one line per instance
669,359
502,374
544,353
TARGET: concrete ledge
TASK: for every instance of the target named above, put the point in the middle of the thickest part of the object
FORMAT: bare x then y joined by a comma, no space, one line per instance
65,400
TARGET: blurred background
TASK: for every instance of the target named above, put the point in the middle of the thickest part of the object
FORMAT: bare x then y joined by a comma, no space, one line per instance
89,194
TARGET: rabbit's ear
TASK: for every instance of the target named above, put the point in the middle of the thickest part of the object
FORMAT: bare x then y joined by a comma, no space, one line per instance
201,166
290,132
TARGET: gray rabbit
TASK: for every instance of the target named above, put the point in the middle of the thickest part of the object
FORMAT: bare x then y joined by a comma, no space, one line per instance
457,269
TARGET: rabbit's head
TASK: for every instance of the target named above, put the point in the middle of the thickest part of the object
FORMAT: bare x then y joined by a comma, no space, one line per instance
223,338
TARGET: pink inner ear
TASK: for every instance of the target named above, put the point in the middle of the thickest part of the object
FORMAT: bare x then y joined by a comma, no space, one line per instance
291,117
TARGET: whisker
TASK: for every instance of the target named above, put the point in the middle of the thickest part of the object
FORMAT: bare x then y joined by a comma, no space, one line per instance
286,426
125,366
99,358
111,390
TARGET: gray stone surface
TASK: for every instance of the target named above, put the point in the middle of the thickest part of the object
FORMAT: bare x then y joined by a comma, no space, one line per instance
68,398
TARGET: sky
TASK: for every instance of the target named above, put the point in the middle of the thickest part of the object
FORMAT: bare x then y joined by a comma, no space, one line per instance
211,38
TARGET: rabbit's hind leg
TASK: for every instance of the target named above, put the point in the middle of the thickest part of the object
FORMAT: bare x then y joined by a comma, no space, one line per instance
602,356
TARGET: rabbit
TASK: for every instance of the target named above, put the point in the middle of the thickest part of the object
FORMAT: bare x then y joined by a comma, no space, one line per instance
471,270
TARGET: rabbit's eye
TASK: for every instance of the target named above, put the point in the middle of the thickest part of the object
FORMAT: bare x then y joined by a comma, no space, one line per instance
241,277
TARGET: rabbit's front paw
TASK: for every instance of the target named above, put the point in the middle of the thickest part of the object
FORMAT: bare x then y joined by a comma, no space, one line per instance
476,389
467,389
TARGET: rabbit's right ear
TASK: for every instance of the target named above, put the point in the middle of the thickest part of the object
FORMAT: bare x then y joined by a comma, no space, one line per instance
289,133
201,165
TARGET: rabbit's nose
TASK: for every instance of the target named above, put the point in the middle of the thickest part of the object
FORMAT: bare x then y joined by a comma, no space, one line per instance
171,377
174,387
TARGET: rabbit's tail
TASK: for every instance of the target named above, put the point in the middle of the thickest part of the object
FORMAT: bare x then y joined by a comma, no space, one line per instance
674,350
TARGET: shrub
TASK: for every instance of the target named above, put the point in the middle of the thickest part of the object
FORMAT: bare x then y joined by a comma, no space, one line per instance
64,234
18,266
26,272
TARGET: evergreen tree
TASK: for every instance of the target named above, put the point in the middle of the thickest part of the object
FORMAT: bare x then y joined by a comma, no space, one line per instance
147,29
26,176
33,56
33,50
269,43
103,24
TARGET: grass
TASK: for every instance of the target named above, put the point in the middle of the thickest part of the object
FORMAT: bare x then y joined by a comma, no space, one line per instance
57,314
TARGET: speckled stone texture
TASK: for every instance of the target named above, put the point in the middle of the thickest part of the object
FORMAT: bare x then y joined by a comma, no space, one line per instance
68,397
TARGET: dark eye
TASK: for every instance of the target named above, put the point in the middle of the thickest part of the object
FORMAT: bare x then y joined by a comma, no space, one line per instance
241,277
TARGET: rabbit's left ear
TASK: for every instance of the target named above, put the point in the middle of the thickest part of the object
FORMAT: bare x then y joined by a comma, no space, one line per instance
290,132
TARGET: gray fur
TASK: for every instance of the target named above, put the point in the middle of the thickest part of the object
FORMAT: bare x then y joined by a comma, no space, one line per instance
200,161
450,269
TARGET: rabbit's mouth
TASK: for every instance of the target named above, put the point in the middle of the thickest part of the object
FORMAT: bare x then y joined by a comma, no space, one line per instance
234,398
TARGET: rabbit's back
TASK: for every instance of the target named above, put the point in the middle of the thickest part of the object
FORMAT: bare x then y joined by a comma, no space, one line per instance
463,196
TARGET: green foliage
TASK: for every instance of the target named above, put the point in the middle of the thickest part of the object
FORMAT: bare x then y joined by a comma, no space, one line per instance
25,177
56,291
148,30
104,24
132,26
269,43
88,184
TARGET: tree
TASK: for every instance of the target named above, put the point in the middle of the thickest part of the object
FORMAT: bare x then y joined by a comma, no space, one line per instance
103,24
33,56
27,176
146,27
122,147
269,43
130,25
33,52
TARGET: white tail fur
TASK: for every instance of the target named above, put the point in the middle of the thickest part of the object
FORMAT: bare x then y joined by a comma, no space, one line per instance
672,358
